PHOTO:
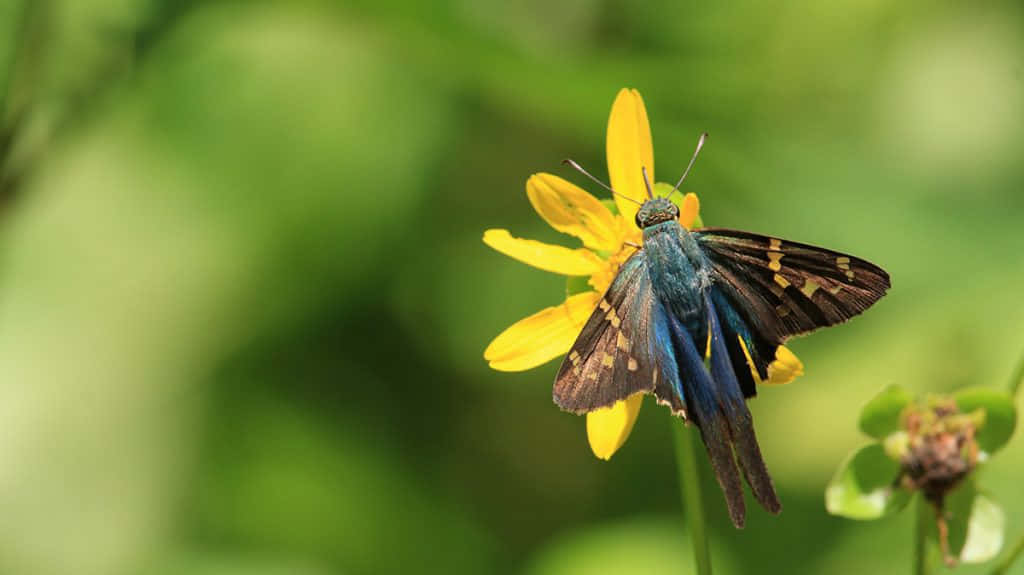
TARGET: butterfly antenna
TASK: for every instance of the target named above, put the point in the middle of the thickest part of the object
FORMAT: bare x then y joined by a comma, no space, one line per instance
647,182
700,144
580,169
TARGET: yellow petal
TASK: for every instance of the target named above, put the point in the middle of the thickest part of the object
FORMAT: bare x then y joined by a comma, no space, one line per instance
571,210
543,336
785,368
689,211
629,148
609,427
557,259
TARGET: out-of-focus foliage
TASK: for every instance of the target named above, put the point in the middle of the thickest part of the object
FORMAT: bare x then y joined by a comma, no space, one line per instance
243,297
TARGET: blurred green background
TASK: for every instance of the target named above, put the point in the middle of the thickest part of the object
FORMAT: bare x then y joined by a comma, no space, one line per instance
243,296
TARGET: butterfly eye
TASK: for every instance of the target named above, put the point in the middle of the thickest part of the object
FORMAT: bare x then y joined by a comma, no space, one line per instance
636,218
675,211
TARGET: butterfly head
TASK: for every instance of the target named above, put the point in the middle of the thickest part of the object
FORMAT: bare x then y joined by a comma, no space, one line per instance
656,211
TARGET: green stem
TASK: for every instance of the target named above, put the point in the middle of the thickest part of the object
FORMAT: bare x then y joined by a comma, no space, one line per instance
1018,377
1007,562
687,445
924,515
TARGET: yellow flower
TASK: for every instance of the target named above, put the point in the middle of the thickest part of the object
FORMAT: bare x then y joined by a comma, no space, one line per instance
608,239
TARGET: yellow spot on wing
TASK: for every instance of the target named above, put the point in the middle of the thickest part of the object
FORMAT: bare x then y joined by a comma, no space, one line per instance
631,366
781,310
783,282
774,244
608,360
774,262
604,305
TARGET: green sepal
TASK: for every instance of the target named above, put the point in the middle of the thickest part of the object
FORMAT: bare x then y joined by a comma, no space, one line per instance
662,190
865,486
882,414
612,206
1000,414
577,284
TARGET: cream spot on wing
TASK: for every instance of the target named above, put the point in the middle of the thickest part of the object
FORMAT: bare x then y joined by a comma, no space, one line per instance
604,305
810,286
843,263
631,366
608,360
614,318
622,342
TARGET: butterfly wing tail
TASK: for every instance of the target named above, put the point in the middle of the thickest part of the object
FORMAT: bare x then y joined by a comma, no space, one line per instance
738,418
684,373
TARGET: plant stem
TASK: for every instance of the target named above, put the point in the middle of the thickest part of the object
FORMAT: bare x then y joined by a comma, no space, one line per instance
1018,377
1012,556
924,515
687,441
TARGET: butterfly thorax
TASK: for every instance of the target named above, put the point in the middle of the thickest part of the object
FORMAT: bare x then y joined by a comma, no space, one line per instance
679,272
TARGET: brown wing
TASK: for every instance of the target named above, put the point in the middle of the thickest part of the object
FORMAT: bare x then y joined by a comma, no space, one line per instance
786,288
610,359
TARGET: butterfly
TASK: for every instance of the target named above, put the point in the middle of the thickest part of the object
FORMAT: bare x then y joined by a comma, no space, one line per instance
691,316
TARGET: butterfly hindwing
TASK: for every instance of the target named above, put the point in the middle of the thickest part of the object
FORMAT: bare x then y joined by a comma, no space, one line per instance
786,288
610,359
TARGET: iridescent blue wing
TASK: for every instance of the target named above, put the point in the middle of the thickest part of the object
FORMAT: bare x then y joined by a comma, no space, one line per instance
610,359
768,290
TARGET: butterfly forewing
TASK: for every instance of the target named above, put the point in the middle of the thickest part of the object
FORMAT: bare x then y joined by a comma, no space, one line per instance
610,359
787,288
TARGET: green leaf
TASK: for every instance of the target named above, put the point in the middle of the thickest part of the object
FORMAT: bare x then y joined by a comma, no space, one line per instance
865,487
985,531
881,415
1000,414
976,525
